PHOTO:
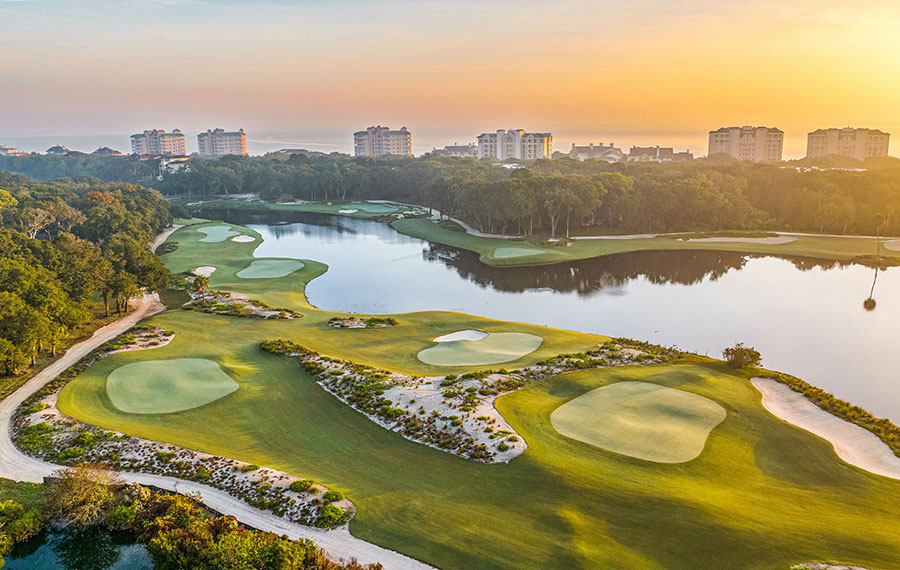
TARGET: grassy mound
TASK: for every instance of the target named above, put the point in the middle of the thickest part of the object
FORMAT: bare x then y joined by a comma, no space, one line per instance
216,233
270,268
493,348
166,386
642,420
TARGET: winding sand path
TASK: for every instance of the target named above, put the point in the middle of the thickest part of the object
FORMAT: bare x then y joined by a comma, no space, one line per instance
338,544
855,445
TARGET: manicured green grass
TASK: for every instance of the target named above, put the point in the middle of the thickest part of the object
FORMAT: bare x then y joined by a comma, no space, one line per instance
495,348
762,495
493,251
217,233
166,386
269,268
640,419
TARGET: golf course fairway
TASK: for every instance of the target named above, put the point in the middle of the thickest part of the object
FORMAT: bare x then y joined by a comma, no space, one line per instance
762,495
642,420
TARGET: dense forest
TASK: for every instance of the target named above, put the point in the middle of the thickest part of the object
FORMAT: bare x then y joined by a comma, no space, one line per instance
556,197
63,245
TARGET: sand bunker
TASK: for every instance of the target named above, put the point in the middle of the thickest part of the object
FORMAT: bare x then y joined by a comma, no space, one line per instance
166,386
205,270
505,252
893,245
640,419
269,268
216,233
243,238
347,211
371,208
855,445
462,335
492,348
765,241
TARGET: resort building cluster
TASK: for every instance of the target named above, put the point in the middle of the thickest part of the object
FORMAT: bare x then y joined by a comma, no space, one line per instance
746,143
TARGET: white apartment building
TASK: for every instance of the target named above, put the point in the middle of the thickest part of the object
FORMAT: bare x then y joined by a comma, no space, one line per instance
515,143
757,144
158,142
381,141
858,143
219,142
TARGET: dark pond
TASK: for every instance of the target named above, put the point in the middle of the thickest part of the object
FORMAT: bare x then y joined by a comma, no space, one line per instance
805,316
94,549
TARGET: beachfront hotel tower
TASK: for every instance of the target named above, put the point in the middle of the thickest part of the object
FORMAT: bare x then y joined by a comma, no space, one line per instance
515,143
757,144
220,142
858,143
158,143
382,141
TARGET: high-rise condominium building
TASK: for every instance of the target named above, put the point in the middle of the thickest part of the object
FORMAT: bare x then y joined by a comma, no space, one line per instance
515,143
758,144
858,143
219,142
158,142
381,141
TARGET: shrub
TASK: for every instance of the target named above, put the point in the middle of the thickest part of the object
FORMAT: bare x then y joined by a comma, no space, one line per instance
251,467
165,456
120,518
330,517
35,408
740,356
332,496
502,446
203,474
300,485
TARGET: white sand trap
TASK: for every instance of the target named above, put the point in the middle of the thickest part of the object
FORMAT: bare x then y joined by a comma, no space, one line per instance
216,233
492,348
243,238
893,245
855,445
462,335
506,252
642,420
347,211
764,241
205,270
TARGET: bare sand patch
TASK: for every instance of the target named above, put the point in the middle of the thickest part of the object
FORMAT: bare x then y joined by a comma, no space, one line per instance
243,238
347,211
204,270
507,252
462,335
763,241
893,245
855,445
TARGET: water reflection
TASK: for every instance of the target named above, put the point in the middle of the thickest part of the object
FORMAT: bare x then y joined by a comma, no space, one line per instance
70,549
803,315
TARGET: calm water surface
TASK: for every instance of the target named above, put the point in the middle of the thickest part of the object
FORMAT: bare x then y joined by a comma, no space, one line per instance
94,549
806,317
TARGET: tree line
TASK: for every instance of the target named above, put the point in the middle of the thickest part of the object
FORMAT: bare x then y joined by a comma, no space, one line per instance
553,197
63,245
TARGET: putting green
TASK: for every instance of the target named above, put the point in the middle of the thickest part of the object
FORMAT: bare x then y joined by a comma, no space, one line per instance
506,252
493,348
640,419
166,386
269,268
216,233
371,208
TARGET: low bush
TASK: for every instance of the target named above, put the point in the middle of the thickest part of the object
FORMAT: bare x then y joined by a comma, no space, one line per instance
300,485
333,496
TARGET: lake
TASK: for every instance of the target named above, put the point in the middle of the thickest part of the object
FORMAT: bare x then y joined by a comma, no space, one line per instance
805,316
93,549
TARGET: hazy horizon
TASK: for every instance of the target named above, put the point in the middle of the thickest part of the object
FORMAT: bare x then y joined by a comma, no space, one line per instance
636,74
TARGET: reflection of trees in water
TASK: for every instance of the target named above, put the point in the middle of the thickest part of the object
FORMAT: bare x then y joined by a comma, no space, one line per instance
608,272
93,549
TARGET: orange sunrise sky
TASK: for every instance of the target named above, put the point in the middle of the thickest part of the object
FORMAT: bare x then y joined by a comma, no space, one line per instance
634,72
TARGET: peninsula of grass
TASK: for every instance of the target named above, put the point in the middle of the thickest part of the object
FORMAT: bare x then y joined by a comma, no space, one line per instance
512,252
761,495
349,208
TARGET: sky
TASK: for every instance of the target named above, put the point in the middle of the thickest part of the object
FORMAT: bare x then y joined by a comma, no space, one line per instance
310,72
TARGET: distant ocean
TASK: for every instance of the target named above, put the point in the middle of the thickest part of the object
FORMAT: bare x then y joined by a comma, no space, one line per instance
261,141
